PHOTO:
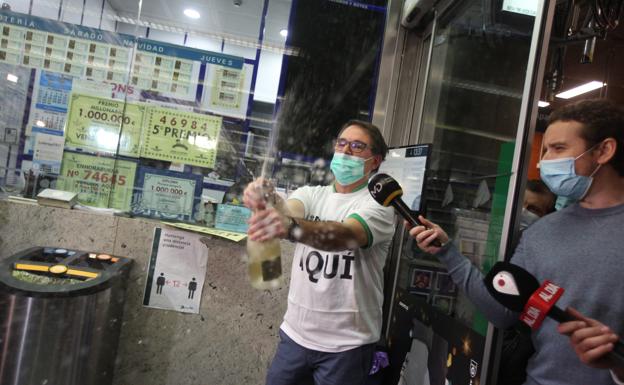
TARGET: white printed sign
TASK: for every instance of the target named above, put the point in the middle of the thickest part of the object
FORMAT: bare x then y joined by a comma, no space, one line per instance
177,271
524,7
48,152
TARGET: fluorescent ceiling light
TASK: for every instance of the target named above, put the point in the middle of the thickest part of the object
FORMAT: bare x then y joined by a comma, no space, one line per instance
583,88
543,104
12,78
284,32
193,14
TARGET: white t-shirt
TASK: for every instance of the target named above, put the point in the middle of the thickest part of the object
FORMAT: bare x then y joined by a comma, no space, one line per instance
335,298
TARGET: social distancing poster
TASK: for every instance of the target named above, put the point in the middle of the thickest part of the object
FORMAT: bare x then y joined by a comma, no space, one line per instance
176,272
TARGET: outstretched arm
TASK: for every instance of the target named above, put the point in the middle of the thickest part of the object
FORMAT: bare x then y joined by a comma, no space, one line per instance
324,235
283,219
465,275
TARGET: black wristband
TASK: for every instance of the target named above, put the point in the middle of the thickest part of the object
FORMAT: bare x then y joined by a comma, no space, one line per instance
293,227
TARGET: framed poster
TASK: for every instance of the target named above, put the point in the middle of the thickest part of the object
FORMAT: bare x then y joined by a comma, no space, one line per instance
227,89
421,279
47,150
50,100
177,270
166,194
104,125
181,136
232,218
445,284
99,181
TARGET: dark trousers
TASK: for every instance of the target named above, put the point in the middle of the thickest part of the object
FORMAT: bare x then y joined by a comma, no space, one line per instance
295,365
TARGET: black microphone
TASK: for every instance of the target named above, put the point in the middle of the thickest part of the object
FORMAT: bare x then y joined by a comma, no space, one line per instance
518,290
386,191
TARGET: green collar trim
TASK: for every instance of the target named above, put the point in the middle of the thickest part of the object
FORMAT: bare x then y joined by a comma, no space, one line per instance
369,234
358,188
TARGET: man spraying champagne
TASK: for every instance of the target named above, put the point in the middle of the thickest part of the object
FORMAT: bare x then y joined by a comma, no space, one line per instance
334,313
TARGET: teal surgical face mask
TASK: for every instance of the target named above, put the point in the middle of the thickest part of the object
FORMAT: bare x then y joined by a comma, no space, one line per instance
347,169
561,178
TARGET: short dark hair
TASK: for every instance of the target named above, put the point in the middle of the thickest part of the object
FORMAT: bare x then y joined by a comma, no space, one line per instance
539,187
601,119
378,145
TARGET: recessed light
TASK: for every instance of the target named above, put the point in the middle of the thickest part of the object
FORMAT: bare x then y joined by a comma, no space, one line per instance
193,14
543,104
12,78
583,88
284,32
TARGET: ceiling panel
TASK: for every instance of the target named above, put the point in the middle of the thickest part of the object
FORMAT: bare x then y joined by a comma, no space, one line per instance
218,17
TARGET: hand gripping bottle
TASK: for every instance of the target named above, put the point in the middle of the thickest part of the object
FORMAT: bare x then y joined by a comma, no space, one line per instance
264,261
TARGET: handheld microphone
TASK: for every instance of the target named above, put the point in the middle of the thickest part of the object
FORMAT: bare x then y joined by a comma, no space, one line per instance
518,290
386,191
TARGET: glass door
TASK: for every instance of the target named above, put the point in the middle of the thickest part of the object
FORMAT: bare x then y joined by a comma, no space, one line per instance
478,96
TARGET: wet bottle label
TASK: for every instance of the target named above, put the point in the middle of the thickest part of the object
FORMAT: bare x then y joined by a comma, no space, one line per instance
271,269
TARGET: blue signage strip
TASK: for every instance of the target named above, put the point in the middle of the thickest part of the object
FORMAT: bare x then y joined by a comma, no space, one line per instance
66,29
207,57
358,4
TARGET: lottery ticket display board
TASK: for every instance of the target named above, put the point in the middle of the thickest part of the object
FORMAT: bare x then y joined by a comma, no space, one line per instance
157,67
226,90
176,72
64,48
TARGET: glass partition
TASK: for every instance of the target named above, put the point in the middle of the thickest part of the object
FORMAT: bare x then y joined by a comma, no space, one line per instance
480,64
167,110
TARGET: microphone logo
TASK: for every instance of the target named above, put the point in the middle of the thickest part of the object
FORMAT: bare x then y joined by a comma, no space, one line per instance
504,283
377,188
540,303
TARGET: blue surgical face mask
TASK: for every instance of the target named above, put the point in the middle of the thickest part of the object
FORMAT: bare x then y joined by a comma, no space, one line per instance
561,178
347,169
527,218
563,202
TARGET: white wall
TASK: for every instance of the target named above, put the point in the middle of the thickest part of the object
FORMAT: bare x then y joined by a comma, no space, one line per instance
237,50
46,8
92,13
19,5
269,71
108,18
71,12
131,29
167,37
203,43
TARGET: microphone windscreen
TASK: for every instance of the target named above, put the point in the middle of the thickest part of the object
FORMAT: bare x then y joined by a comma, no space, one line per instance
384,189
510,285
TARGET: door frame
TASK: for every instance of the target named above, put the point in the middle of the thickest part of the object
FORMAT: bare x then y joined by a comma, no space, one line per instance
538,56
